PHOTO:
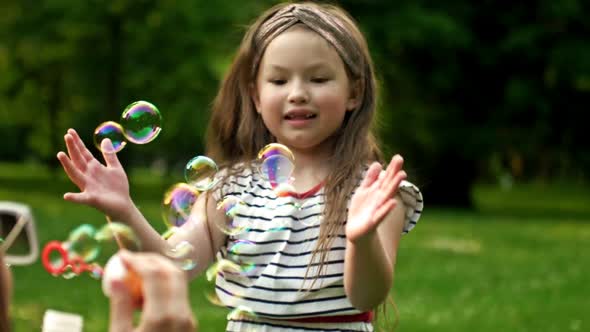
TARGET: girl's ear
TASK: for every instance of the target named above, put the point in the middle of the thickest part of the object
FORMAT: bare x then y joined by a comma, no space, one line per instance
354,99
254,96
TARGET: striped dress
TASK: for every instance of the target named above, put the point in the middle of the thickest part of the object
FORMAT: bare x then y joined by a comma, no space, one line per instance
274,248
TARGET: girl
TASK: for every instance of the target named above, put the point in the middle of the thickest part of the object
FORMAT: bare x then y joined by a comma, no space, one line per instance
322,257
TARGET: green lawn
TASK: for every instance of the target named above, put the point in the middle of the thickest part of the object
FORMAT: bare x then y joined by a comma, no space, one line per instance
519,264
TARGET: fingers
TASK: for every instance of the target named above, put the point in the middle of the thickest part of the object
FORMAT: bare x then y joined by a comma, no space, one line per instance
162,280
122,307
383,210
109,154
73,152
71,170
85,153
394,168
394,175
371,175
165,292
79,198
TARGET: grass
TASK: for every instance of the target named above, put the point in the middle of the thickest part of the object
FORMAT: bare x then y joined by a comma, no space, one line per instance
517,264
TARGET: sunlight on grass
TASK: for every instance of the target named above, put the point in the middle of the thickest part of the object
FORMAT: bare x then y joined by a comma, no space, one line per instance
455,245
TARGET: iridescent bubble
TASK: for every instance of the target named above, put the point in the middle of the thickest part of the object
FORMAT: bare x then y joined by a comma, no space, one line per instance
237,247
181,254
177,204
212,297
200,173
112,131
274,149
169,232
222,266
241,312
83,244
277,169
96,271
231,205
113,236
141,122
69,273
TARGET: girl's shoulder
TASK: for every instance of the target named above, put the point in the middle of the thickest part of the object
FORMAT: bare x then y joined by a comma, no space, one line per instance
233,178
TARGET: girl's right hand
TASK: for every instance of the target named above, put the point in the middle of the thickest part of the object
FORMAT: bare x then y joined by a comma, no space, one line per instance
104,187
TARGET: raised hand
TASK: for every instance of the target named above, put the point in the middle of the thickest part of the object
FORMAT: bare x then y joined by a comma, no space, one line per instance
104,187
374,198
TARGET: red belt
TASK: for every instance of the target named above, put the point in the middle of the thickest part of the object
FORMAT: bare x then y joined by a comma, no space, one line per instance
362,317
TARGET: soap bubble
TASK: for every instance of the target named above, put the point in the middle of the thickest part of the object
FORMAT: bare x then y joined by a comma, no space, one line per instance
141,122
277,169
112,131
200,173
86,249
231,206
274,149
177,204
82,243
181,254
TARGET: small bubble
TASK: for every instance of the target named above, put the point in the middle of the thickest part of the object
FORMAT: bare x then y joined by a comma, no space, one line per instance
200,172
112,131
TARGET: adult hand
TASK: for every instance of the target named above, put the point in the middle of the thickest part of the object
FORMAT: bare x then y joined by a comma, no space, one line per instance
104,187
165,296
373,199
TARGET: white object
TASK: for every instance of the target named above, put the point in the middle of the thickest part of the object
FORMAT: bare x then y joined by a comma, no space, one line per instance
22,211
113,270
59,321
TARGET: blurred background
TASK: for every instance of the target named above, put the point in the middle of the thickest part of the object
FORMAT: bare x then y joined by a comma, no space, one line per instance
487,102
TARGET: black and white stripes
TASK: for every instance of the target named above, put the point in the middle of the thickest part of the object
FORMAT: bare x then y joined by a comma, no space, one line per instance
276,245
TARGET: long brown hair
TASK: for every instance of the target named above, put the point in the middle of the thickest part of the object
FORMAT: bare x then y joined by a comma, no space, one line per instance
236,133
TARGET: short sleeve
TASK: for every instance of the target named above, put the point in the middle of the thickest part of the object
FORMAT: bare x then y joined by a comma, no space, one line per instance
232,183
412,198
222,186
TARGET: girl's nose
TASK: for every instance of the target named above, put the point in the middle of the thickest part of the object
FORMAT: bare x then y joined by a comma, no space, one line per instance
298,93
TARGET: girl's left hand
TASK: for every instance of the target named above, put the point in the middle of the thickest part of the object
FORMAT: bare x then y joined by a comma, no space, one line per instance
373,199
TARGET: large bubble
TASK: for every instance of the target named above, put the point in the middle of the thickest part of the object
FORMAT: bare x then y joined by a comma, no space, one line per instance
276,166
141,122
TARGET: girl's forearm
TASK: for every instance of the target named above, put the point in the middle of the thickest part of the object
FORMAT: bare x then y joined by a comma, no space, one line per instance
367,272
150,239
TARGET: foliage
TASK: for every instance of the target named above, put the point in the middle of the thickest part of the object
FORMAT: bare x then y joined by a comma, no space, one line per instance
478,89
469,90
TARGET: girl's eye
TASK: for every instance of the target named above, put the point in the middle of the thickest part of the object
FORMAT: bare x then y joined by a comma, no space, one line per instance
278,81
319,79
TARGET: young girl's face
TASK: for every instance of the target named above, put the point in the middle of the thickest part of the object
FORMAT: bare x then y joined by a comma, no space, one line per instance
302,89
